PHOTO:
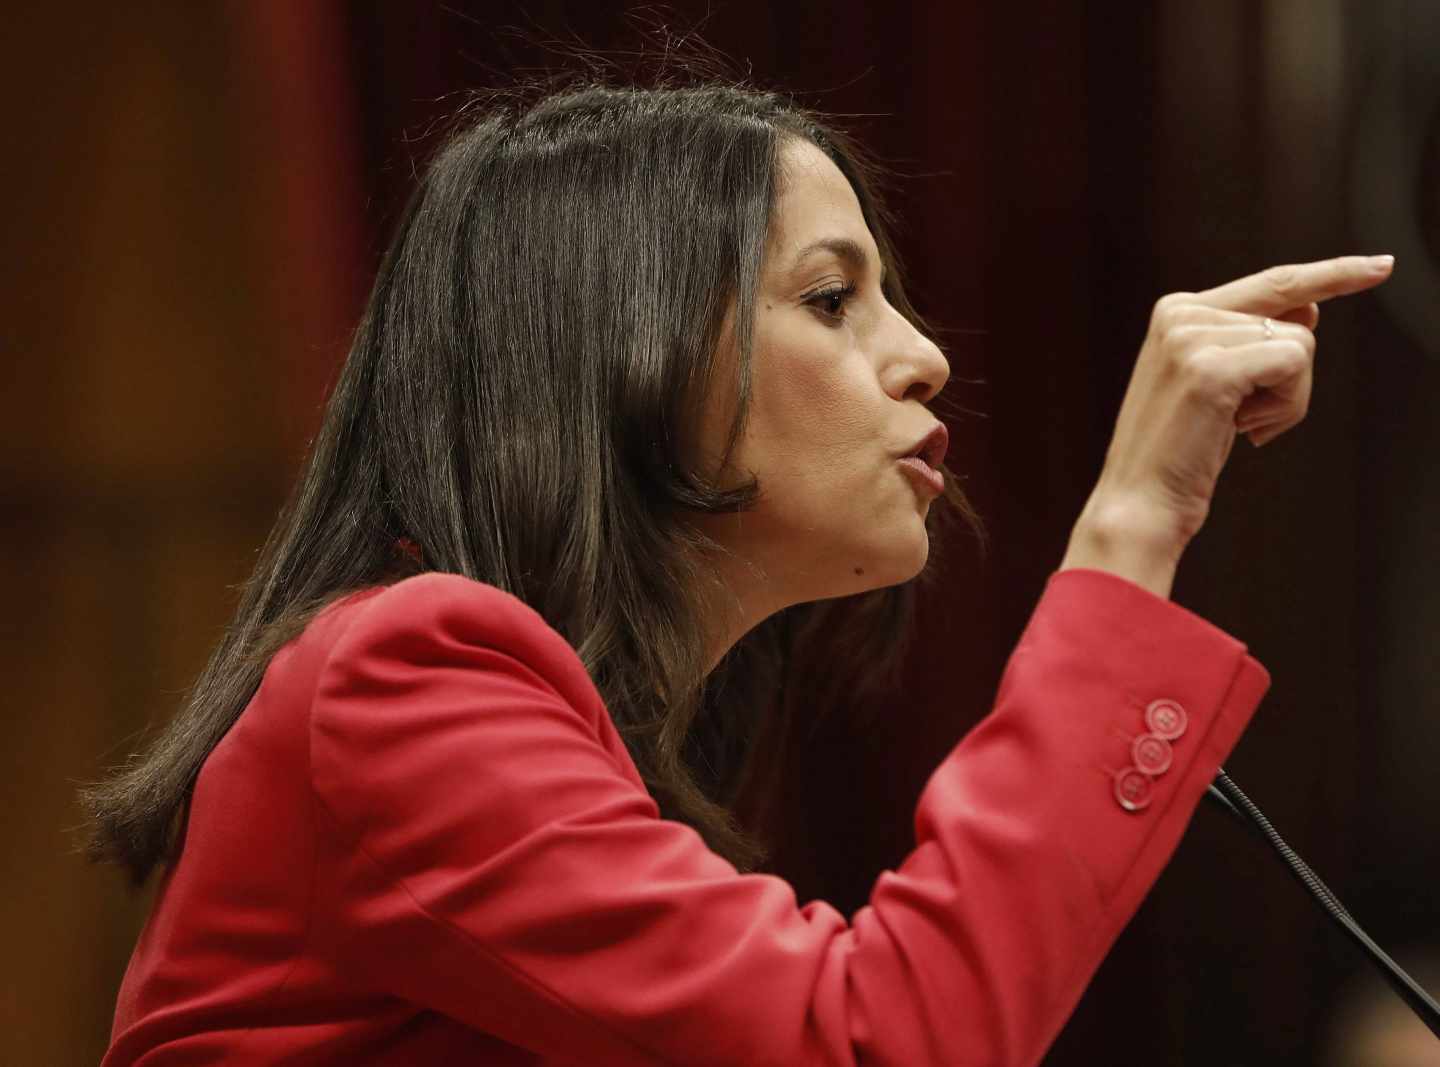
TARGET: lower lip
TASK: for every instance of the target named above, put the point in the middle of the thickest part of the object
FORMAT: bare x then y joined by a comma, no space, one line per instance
924,474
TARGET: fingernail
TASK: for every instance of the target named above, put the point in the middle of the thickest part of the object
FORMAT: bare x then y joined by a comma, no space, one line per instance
1382,262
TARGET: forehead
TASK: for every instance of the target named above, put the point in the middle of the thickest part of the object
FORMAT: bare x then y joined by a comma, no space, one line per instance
814,201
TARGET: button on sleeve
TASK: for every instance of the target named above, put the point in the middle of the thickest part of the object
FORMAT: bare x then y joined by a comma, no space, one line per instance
1166,719
1152,755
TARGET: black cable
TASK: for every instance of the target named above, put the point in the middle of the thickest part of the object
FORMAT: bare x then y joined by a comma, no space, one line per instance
1254,819
1226,792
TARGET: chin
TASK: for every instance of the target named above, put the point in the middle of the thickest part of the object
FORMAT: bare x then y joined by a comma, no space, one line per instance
892,567
917,563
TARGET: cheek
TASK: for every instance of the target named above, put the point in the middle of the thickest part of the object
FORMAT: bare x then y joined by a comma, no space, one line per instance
814,411
815,428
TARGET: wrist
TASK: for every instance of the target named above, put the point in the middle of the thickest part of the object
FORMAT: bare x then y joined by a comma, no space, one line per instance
1125,539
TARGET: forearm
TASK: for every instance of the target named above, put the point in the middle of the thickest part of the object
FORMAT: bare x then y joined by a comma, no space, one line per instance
1120,537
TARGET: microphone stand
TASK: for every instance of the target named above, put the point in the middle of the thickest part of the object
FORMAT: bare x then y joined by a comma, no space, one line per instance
1228,794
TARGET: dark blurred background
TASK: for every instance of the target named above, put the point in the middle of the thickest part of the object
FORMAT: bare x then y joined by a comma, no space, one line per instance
199,193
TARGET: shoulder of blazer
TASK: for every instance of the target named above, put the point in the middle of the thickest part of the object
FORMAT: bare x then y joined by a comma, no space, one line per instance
418,617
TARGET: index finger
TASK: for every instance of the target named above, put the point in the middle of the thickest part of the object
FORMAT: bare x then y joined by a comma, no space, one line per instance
1281,289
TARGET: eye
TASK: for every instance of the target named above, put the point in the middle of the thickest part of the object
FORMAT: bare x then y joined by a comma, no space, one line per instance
830,302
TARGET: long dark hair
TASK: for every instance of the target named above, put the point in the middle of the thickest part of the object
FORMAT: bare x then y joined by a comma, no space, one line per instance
516,403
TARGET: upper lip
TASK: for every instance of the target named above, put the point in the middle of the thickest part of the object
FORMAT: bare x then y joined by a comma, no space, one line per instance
932,447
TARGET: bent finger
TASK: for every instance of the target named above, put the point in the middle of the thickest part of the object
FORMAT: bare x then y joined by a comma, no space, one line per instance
1235,334
1230,376
1284,407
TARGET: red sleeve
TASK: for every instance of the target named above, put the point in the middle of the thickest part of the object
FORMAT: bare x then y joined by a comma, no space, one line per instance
507,868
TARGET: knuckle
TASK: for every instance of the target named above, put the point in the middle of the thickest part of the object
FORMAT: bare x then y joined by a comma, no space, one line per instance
1202,370
1297,355
1180,333
1282,280
1209,380
1169,311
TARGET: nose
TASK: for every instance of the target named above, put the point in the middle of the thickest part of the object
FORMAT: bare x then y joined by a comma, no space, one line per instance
919,369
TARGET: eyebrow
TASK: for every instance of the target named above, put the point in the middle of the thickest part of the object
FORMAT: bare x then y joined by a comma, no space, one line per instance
842,248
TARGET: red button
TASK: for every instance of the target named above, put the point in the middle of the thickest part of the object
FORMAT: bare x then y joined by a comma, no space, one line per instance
1166,719
1132,789
1151,754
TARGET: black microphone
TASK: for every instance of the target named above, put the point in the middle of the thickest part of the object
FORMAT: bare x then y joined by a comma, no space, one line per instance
1228,794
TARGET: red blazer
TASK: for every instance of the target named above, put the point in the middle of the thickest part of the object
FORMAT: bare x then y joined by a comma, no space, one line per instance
424,842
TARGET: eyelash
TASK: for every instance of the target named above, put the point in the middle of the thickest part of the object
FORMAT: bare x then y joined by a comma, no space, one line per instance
841,292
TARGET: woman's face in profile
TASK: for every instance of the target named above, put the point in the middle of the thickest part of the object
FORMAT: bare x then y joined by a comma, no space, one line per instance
839,380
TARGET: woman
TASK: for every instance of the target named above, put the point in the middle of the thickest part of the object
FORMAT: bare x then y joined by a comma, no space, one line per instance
630,466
